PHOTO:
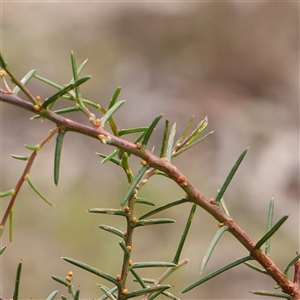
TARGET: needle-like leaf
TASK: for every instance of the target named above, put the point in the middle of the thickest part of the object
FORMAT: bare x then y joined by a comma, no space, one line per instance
24,81
150,130
110,112
271,232
230,176
17,281
163,207
33,186
217,272
269,225
65,90
171,141
134,183
57,155
52,295
114,97
184,234
91,269
164,141
211,247
272,294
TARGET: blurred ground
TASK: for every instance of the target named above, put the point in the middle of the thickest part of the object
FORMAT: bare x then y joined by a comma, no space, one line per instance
237,62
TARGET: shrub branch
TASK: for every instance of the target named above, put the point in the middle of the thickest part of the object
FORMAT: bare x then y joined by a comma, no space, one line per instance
192,193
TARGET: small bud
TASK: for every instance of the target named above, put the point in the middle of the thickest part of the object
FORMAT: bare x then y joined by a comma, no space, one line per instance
181,181
144,163
98,123
124,291
138,145
39,100
127,209
133,219
221,224
129,248
36,108
70,274
212,201
130,262
68,278
118,277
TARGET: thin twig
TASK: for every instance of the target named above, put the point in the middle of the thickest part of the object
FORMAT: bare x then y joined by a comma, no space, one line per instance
193,194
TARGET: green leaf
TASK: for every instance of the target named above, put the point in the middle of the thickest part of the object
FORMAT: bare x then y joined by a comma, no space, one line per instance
32,185
49,82
150,130
57,155
108,211
271,232
152,264
61,280
110,156
132,130
163,207
134,183
138,278
110,112
20,157
186,130
65,90
63,297
171,270
171,141
76,296
91,270
75,75
144,201
124,248
230,176
115,161
164,141
112,230
7,193
153,222
24,81
272,294
290,264
187,147
17,281
269,225
2,249
224,207
217,272
78,70
3,64
60,112
34,148
189,140
184,234
255,268
212,246
114,97
52,295
147,290
165,293
108,292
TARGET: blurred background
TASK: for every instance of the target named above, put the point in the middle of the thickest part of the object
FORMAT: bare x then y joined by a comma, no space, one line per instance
235,62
